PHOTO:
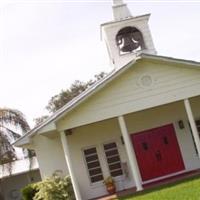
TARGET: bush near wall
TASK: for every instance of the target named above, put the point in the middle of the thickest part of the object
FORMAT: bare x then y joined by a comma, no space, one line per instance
53,188
29,192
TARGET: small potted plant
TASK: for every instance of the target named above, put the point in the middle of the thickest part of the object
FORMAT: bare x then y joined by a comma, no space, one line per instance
110,185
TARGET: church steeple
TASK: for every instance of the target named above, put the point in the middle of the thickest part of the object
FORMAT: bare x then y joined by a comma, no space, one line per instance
120,10
127,36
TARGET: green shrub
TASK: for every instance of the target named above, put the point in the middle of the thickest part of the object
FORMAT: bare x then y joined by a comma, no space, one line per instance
28,192
53,188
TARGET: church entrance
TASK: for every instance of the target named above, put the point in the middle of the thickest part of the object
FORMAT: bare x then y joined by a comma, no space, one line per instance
157,152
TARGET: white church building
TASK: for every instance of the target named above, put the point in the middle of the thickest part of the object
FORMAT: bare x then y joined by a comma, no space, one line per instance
140,124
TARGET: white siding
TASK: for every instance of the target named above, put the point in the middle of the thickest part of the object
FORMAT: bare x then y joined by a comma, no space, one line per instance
168,114
126,94
98,133
95,135
50,155
110,30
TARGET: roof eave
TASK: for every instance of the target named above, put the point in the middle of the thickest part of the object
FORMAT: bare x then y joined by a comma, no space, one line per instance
22,142
26,139
170,59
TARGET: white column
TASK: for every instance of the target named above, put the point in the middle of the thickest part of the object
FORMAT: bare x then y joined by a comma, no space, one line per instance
192,124
131,154
69,165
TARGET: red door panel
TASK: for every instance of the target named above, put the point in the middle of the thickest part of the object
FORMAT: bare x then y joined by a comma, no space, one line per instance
142,143
158,160
157,152
170,149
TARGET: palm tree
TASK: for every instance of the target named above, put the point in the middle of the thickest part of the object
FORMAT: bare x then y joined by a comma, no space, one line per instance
11,123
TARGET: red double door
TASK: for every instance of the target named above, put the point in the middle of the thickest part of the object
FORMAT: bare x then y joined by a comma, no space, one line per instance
157,152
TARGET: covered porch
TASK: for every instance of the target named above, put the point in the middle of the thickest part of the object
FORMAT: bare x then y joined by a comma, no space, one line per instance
113,138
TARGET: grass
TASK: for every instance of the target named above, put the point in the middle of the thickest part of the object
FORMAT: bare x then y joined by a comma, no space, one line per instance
188,189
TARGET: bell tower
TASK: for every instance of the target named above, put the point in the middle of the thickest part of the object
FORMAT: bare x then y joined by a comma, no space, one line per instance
126,36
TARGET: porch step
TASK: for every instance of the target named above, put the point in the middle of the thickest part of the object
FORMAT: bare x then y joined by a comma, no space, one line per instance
151,185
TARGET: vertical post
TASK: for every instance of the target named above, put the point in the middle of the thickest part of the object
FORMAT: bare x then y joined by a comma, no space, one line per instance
131,154
192,124
69,165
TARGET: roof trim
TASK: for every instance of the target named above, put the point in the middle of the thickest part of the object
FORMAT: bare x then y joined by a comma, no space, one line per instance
127,19
74,102
170,59
95,88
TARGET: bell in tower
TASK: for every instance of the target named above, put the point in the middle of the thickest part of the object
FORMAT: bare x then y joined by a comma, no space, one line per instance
129,39
126,36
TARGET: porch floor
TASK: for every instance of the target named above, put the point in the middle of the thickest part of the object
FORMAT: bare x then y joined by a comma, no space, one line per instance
152,185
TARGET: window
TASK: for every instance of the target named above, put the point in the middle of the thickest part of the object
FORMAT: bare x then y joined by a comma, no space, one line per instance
113,159
93,165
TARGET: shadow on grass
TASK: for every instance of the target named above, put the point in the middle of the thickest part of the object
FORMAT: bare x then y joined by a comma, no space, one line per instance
159,188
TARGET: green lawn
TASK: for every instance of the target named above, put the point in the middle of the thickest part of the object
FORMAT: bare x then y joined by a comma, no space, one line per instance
185,190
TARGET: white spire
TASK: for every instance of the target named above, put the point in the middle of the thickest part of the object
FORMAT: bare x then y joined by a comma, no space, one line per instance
117,2
120,10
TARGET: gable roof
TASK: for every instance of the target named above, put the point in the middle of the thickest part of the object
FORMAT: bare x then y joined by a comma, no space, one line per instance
95,88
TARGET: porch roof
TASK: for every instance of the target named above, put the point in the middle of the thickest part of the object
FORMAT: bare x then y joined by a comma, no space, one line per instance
50,125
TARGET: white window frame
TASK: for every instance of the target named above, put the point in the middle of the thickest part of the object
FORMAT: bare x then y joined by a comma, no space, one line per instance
98,183
105,158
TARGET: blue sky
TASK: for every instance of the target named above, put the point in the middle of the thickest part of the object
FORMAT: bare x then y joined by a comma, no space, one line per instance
46,45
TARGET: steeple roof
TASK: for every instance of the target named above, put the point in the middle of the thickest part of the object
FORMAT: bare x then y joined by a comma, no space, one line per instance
120,10
118,2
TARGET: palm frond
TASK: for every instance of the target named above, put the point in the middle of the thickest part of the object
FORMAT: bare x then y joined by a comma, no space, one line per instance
14,135
11,121
7,151
13,117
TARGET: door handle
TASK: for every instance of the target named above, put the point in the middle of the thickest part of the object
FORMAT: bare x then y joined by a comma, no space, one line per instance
158,155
